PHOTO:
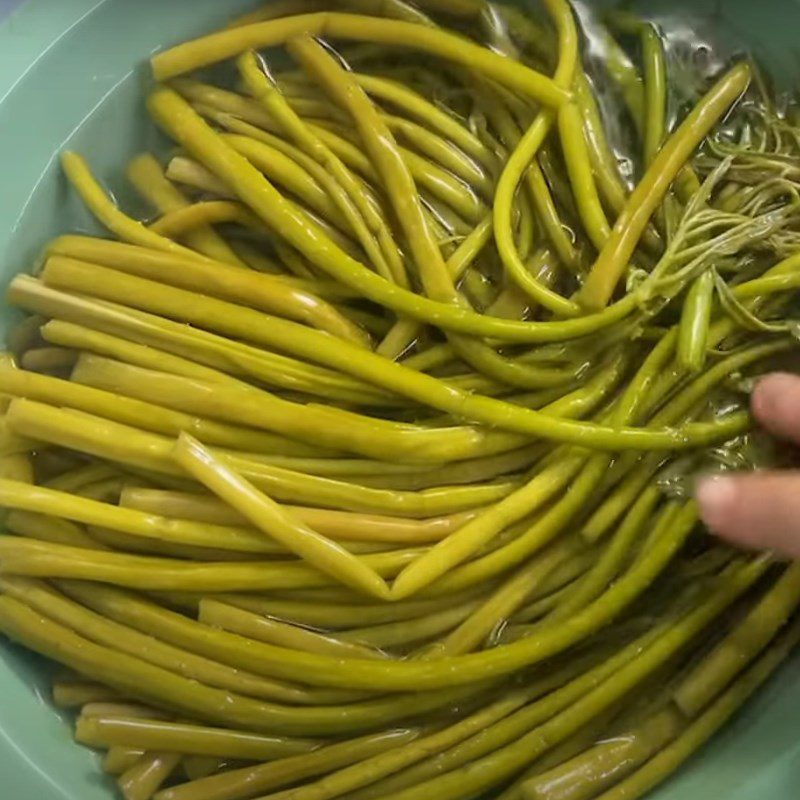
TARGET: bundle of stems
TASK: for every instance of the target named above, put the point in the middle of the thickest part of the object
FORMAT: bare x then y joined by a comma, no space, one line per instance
360,468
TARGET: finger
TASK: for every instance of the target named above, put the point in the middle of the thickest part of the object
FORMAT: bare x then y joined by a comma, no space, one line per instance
776,405
760,510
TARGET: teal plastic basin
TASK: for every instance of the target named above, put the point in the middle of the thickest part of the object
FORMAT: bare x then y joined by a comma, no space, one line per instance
71,74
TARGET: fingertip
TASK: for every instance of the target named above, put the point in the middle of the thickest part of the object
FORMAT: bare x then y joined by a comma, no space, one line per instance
760,399
716,496
759,510
775,400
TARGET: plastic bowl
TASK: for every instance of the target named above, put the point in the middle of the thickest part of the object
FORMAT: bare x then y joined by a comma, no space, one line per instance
72,73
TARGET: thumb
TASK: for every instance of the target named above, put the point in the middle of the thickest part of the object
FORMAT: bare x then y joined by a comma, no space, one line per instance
760,510
776,405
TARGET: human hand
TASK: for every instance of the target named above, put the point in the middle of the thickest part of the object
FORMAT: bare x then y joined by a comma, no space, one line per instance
761,510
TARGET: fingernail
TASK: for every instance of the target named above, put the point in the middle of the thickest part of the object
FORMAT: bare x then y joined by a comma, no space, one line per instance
715,496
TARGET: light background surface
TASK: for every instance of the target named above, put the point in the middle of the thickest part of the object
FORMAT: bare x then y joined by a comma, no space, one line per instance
7,6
